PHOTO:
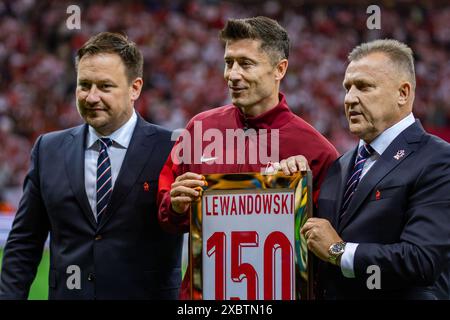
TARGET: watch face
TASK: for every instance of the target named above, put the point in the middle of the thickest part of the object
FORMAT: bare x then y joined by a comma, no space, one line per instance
337,248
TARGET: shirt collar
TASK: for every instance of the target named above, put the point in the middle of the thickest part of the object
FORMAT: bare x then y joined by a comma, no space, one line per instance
121,137
381,142
274,118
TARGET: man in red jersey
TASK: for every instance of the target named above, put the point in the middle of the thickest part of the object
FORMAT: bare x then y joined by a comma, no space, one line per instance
244,136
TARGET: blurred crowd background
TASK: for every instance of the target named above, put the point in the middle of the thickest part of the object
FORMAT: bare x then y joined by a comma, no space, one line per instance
184,63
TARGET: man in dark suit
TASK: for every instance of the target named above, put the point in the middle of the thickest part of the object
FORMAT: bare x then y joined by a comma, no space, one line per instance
93,188
383,225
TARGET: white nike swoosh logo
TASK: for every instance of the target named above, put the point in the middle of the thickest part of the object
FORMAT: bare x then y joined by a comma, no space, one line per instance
205,159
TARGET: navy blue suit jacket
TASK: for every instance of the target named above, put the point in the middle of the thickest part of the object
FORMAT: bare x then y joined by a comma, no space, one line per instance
126,256
399,215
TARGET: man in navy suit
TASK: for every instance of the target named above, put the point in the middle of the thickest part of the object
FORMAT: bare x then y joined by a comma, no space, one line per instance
93,188
383,225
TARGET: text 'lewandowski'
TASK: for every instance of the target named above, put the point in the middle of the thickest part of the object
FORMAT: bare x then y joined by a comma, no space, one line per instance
247,204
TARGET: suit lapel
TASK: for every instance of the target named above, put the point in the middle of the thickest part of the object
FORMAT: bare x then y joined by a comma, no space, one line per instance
139,150
345,165
74,148
348,161
399,149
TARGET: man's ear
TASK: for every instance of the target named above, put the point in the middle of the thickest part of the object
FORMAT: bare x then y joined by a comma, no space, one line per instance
281,69
404,93
136,87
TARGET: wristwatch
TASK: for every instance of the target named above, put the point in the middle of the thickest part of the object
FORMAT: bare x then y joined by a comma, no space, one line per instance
336,250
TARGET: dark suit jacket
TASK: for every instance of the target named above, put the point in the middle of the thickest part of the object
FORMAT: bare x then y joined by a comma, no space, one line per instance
126,256
405,230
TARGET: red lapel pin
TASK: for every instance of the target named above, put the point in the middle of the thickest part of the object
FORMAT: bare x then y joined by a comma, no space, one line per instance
146,187
377,195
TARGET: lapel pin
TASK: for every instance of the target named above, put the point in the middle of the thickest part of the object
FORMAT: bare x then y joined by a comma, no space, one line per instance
399,154
146,187
377,195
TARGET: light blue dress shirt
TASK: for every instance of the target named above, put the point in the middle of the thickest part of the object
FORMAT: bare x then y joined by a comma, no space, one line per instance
121,139
380,144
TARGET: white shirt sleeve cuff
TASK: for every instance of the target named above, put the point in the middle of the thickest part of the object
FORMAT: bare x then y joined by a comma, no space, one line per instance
347,260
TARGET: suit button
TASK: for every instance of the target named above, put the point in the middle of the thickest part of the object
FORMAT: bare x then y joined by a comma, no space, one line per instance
91,277
98,237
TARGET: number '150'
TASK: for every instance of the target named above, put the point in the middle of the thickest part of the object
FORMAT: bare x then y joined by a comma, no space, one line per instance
275,241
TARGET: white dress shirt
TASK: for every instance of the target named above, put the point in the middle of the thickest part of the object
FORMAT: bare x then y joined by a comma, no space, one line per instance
121,139
380,144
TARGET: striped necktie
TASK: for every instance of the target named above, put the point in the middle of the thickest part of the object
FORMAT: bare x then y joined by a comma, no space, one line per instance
104,178
364,152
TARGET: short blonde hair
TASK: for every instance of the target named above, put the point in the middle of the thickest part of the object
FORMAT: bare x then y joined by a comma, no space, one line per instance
399,53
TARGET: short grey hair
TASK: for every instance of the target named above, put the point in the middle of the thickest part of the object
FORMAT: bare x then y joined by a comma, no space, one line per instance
399,53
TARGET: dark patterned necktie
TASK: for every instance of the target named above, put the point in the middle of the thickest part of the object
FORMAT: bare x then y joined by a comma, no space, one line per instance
104,178
364,152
